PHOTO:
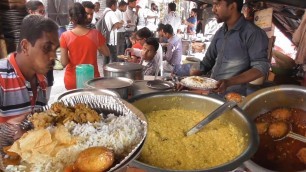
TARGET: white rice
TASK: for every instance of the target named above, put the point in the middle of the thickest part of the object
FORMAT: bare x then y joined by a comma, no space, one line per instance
120,134
199,82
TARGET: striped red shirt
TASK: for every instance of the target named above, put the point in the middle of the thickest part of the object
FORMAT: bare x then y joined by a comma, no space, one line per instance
16,96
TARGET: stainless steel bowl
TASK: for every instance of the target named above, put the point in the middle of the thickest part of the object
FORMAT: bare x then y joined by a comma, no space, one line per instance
167,100
267,99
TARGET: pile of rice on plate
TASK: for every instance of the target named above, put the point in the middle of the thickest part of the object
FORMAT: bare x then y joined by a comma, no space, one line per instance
121,134
197,82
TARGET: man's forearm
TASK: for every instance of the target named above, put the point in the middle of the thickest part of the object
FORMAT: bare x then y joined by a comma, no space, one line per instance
245,77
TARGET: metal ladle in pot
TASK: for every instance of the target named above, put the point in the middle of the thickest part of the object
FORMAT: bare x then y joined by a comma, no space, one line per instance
231,102
284,130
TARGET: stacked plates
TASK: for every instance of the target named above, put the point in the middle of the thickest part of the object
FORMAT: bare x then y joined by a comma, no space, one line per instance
11,22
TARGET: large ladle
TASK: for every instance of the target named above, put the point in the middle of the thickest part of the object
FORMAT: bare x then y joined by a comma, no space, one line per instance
216,113
291,134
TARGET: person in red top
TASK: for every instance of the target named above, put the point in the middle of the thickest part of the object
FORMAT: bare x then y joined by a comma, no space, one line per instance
137,45
80,45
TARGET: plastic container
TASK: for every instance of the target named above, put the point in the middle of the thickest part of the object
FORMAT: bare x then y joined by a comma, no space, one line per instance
84,73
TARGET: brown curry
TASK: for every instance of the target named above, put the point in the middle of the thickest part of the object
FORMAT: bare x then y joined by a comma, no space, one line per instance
287,154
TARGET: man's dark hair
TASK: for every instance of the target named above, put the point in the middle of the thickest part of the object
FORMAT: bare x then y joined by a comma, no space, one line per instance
97,3
172,6
129,1
122,3
195,10
160,27
154,42
109,3
88,4
33,5
77,14
239,4
168,29
144,33
33,26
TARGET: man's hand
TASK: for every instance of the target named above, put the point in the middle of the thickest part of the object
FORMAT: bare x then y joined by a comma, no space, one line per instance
221,86
131,50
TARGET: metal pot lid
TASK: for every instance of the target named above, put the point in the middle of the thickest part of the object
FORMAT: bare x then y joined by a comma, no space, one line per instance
122,67
112,82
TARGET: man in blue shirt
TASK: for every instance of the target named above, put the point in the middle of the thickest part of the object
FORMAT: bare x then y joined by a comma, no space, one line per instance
191,22
238,51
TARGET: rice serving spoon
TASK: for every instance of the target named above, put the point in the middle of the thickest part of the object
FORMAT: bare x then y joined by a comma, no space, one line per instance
216,113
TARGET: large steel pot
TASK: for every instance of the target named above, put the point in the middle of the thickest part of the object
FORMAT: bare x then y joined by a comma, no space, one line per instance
124,69
267,99
206,104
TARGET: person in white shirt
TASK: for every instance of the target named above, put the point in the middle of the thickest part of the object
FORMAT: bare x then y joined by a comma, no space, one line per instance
153,66
172,18
152,17
96,14
142,16
112,23
130,16
121,45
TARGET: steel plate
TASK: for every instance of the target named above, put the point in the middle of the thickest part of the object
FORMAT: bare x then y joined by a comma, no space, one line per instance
160,85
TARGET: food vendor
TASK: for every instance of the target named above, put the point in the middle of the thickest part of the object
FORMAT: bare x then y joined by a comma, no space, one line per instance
237,54
22,81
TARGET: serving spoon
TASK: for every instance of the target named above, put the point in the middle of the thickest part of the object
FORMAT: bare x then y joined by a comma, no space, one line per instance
289,133
216,113
232,100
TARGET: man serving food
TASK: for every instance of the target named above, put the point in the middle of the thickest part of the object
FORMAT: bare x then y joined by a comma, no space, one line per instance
237,54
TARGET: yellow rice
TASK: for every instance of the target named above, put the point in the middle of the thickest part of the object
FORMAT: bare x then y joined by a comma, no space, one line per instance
167,146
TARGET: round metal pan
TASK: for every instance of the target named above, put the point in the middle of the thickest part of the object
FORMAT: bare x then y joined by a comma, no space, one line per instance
160,85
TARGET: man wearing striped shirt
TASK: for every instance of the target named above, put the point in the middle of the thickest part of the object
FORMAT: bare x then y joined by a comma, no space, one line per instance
22,80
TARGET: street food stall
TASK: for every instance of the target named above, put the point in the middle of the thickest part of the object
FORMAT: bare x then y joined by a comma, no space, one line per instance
129,122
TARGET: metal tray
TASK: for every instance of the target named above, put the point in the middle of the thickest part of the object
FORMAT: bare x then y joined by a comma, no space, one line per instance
160,85
86,91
